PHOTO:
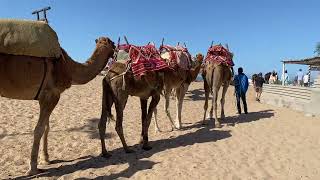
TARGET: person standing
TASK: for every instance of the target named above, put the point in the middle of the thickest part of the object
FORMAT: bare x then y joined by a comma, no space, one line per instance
285,78
258,83
306,80
273,78
241,86
300,77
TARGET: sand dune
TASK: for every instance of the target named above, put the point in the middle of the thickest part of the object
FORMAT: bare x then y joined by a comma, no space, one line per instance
268,143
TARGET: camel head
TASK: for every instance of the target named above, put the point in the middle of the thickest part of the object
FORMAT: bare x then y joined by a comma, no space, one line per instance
104,41
199,57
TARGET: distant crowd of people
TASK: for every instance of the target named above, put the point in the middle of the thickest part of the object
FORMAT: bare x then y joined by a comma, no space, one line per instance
301,79
241,84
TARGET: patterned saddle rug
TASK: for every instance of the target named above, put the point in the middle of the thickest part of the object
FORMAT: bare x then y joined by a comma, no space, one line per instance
176,57
219,55
142,59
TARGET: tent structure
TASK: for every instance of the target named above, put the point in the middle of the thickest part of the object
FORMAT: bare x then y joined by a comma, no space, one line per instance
313,63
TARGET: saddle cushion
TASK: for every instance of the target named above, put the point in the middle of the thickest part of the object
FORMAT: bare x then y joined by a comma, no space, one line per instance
29,38
177,57
219,55
142,59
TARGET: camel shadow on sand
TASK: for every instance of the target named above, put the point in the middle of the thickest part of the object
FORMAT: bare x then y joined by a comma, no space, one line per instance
245,118
195,95
134,160
203,134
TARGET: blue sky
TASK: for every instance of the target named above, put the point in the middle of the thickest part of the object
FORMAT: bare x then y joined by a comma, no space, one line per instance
260,33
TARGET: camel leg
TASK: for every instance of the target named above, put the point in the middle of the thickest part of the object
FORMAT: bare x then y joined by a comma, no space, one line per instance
156,127
224,91
206,93
45,154
48,102
166,107
119,109
147,119
211,112
180,93
214,104
144,109
107,102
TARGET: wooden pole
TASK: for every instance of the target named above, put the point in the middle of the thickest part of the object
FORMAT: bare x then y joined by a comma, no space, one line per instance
283,70
309,76
125,38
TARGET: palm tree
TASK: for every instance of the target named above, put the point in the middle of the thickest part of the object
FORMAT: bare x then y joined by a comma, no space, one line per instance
317,51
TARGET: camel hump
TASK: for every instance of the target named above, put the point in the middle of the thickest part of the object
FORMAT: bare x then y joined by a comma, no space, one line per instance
176,56
29,38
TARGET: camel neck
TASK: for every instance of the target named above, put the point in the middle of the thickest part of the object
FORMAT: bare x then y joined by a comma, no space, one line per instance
82,73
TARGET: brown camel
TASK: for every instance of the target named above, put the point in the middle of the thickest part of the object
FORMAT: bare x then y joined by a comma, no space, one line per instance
179,80
118,84
216,75
21,77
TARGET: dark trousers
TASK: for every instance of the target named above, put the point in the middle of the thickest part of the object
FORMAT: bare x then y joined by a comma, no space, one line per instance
241,96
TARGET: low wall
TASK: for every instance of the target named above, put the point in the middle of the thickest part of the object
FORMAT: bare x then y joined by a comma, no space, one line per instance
293,97
314,105
298,98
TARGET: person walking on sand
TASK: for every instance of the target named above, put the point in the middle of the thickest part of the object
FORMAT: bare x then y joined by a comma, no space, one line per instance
258,83
241,86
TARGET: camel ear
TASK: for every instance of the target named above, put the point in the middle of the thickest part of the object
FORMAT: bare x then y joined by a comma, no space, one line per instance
96,41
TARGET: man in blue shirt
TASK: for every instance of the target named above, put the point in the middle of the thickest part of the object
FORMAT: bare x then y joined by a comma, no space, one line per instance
241,84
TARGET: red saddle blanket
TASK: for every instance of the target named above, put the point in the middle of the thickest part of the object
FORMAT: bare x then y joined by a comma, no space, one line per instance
144,59
219,54
176,56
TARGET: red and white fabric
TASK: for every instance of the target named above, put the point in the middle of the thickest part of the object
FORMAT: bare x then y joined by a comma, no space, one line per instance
179,56
219,54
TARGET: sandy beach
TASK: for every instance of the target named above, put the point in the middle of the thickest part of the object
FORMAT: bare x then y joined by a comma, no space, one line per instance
267,143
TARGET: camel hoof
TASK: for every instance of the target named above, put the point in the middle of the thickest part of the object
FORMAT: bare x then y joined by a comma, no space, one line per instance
177,127
128,150
204,123
45,162
32,172
217,125
106,155
146,147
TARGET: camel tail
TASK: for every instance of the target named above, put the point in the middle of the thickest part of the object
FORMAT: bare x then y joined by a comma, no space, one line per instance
211,82
107,101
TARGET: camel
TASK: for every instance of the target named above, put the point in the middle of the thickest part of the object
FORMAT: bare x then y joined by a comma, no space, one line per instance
253,78
118,84
215,75
267,77
44,79
179,81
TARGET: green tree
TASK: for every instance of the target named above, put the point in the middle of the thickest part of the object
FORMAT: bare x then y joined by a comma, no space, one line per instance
317,51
